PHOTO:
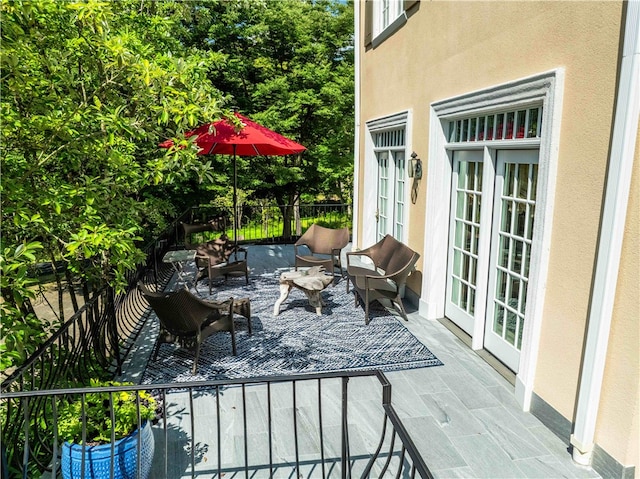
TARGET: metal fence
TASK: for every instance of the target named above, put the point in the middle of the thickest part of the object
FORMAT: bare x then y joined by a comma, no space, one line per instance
312,425
95,341
273,223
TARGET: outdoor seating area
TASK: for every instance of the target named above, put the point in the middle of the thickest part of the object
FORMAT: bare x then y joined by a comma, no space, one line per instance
461,415
320,239
322,409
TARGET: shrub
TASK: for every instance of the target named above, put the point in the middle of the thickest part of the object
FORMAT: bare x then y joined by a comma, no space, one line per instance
95,408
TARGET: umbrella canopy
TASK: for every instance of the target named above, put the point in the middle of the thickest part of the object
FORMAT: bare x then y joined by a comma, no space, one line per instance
252,139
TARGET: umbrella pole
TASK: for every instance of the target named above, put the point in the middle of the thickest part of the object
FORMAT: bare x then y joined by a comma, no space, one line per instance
235,198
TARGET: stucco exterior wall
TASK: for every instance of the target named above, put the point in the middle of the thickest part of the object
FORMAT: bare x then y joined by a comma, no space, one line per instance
450,48
621,386
446,49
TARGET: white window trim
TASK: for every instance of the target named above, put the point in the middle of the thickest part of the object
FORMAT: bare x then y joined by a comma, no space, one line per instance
380,35
370,180
547,88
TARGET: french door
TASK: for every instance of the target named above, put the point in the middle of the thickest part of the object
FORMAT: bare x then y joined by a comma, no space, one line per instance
464,238
391,206
512,232
492,215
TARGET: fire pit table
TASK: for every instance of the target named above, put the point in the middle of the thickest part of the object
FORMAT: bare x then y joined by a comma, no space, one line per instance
311,282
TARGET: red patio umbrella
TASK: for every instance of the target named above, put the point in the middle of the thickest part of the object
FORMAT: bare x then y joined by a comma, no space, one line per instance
252,139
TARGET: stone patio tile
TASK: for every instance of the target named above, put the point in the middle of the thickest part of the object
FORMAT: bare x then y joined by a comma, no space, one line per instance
552,467
553,443
469,390
405,400
436,448
422,380
451,415
486,458
455,473
506,398
515,439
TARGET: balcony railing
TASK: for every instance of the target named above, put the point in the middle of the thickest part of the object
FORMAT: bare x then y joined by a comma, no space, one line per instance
291,426
95,341
266,224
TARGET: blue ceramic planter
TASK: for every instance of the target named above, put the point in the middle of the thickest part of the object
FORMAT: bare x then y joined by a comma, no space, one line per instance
97,459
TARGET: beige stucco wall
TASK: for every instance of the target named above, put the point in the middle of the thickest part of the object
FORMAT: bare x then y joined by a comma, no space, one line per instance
619,415
449,48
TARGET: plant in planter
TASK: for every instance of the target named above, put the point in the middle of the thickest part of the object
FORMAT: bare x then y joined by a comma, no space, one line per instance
97,453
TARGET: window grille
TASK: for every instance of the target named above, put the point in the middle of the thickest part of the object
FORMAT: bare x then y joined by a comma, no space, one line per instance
389,138
389,148
510,125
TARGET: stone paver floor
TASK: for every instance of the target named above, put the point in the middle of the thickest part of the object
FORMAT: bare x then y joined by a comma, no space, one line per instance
463,417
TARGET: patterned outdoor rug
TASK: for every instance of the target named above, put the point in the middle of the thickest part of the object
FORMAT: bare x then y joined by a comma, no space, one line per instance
295,341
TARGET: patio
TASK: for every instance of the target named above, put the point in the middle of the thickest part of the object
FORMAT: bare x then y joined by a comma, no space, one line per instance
462,416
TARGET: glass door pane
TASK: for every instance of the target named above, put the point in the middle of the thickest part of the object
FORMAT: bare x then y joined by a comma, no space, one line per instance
383,193
466,201
398,227
514,206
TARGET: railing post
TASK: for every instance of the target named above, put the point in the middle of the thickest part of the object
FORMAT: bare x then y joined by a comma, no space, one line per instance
296,216
110,310
345,430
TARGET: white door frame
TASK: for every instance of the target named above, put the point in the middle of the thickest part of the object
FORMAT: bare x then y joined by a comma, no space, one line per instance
546,88
370,183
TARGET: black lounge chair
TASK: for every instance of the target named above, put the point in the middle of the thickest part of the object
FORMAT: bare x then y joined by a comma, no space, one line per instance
188,320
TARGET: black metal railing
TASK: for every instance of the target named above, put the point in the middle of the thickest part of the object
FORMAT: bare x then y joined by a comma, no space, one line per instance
273,223
92,344
96,340
310,425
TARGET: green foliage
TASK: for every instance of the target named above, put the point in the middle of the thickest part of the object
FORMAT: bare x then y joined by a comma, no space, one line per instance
95,411
21,331
89,90
288,65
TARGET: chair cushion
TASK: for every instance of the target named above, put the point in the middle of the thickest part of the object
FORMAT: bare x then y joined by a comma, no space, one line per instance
215,250
378,284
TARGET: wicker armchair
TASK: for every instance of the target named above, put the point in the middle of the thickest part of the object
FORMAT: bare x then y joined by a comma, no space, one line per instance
325,246
391,262
187,320
218,257
221,257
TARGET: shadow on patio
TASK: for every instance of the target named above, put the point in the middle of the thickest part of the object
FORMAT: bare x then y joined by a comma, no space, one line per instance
462,416
459,419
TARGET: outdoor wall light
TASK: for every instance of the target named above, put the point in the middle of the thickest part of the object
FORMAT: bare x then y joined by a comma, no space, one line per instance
415,166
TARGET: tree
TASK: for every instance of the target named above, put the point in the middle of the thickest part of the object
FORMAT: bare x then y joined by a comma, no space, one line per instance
288,65
88,90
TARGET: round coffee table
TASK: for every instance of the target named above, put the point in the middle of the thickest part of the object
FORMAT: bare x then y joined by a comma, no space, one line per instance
311,282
